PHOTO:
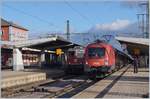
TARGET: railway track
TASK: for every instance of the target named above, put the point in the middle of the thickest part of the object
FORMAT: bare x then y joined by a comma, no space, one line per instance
16,89
50,88
45,89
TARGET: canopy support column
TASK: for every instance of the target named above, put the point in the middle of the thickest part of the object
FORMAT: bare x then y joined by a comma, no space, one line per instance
17,60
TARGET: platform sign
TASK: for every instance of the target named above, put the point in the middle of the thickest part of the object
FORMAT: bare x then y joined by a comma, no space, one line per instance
58,51
136,51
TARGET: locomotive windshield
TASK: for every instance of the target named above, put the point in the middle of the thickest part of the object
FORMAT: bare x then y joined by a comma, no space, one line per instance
79,53
96,52
76,52
72,53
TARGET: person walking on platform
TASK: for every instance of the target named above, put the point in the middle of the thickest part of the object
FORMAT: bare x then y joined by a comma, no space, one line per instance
135,64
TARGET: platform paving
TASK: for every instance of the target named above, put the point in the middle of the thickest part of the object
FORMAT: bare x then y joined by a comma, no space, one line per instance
135,85
13,78
120,85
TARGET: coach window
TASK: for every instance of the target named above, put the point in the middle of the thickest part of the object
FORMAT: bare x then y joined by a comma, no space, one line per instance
71,53
80,53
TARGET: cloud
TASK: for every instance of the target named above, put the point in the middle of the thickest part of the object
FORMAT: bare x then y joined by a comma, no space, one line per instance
116,25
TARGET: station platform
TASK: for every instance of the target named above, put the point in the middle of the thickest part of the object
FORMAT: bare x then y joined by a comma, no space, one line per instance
121,84
50,72
11,78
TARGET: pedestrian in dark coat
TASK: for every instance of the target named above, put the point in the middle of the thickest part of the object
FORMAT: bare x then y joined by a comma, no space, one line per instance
135,64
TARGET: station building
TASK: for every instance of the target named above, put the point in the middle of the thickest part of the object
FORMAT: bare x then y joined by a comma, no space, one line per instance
11,32
43,51
35,52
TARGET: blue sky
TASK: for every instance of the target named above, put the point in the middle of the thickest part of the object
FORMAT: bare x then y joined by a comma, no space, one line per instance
57,13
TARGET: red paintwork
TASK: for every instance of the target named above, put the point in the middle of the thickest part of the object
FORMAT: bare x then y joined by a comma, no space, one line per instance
73,60
97,62
5,33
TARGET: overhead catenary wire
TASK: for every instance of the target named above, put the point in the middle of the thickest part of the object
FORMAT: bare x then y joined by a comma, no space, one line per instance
80,14
45,21
30,15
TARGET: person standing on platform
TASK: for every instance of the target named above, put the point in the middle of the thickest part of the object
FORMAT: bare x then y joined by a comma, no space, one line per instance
135,64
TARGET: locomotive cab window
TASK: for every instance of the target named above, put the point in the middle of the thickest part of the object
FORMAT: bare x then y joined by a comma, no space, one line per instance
96,52
79,53
71,53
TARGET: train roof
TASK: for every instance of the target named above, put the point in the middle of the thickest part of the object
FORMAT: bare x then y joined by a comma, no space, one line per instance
101,43
76,48
116,45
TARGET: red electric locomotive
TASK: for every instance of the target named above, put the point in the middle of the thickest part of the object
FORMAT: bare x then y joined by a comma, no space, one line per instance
75,60
100,58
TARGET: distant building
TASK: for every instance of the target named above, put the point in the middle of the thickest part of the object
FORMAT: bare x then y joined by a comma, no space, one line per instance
13,32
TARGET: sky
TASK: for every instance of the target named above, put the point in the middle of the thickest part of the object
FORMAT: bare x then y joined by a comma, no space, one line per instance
85,16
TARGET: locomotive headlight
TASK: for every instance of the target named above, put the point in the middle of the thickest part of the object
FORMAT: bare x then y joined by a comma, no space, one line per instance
106,62
86,62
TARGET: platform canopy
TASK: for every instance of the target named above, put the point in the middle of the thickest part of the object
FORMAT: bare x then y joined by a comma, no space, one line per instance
52,42
141,44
